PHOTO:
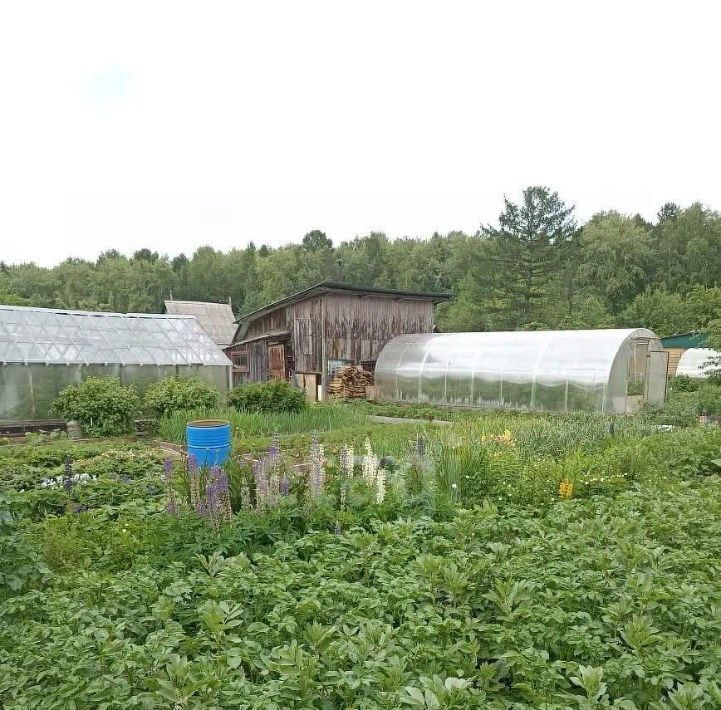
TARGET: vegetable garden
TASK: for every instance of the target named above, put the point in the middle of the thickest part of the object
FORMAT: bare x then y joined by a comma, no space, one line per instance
499,561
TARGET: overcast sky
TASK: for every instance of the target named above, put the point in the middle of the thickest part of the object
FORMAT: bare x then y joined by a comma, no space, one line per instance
170,125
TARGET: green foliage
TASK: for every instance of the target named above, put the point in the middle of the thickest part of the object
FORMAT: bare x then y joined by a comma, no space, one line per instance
174,394
609,599
531,268
101,404
683,383
273,396
528,242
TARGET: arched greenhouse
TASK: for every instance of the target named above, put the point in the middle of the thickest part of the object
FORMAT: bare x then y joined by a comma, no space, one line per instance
696,362
607,371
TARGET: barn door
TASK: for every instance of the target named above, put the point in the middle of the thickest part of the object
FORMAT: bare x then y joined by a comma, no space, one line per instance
276,361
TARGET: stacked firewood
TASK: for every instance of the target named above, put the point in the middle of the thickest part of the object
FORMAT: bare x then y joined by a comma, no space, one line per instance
350,382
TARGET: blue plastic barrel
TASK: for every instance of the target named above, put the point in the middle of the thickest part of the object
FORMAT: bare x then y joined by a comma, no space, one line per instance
208,441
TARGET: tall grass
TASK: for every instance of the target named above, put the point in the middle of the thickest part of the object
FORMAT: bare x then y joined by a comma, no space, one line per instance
315,418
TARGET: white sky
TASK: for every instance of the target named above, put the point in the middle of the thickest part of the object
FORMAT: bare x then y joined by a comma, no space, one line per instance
170,125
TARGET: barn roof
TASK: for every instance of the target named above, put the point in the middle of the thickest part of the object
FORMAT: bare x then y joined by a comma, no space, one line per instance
53,336
335,287
216,318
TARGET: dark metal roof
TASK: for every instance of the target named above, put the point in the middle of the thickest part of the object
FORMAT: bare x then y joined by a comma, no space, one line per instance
334,286
692,339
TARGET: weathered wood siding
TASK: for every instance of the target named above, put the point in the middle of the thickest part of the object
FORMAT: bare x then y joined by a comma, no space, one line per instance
358,327
303,322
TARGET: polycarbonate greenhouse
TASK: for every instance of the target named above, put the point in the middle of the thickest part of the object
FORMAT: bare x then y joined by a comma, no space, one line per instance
605,371
696,362
44,350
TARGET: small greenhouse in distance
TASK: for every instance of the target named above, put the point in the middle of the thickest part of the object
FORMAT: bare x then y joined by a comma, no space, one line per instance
43,350
696,362
604,371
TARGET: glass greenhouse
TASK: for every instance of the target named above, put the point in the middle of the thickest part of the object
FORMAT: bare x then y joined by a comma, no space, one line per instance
696,362
605,371
44,350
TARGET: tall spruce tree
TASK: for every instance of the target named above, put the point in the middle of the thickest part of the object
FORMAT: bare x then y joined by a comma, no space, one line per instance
526,252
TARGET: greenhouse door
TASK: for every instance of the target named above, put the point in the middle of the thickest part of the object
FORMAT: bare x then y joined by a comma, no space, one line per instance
656,372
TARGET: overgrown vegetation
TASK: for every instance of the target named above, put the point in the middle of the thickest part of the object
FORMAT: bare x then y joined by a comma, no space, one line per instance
101,404
273,396
502,561
174,394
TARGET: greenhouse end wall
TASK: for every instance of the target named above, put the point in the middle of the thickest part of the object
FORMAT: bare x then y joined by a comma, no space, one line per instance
556,371
28,391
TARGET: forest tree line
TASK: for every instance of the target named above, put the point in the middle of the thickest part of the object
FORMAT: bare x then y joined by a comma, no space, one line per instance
535,267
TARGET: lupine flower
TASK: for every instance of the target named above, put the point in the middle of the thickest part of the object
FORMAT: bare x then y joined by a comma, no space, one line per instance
337,528
245,501
274,448
167,470
317,467
284,485
68,475
380,485
260,475
217,496
370,465
194,474
346,461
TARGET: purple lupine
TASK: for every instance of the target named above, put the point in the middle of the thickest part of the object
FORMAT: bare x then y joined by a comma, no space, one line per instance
261,483
194,474
167,470
284,485
274,448
68,474
217,494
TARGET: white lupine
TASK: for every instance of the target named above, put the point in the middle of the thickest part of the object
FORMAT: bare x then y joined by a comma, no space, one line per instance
370,465
380,485
346,462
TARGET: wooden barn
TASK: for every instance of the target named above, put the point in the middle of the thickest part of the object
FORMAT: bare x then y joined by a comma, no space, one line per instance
307,336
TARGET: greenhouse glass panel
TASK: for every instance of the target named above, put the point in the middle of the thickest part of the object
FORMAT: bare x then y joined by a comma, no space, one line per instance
557,371
44,350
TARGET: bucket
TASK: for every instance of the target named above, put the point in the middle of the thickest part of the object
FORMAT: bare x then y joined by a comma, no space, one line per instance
208,441
75,431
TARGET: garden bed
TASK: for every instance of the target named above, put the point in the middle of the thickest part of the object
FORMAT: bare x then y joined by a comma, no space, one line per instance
496,562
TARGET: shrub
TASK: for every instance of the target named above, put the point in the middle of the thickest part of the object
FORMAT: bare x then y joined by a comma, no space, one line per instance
272,396
684,383
101,404
176,393
709,399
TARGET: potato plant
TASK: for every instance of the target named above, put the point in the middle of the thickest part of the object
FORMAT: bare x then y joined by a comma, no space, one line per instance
503,592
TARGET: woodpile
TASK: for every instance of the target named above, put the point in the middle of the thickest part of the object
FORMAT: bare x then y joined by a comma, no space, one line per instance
350,382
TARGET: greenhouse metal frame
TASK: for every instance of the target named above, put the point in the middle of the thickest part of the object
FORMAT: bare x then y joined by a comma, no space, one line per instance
43,350
613,371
